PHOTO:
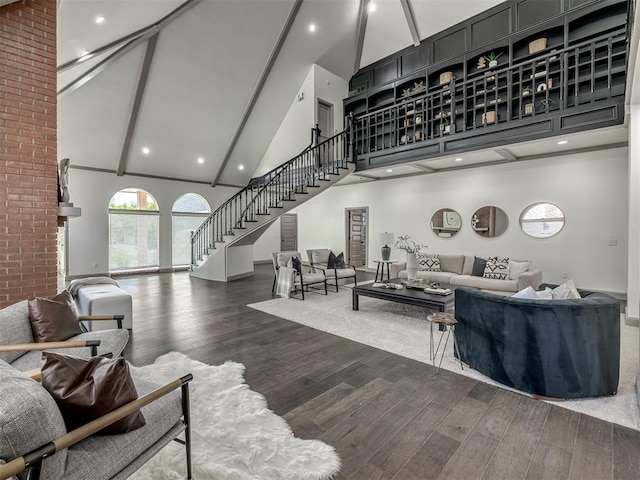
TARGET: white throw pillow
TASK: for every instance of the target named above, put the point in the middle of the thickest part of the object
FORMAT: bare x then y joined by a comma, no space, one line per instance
517,268
528,293
546,294
429,263
496,268
565,291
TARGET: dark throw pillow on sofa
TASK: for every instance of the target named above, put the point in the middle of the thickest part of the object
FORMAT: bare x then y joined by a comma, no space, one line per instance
86,389
478,267
336,261
53,319
296,264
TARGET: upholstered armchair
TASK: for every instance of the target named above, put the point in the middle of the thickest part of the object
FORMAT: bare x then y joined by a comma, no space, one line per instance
34,438
319,260
304,280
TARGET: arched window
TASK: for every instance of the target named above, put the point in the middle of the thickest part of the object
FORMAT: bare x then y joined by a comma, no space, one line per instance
188,213
133,231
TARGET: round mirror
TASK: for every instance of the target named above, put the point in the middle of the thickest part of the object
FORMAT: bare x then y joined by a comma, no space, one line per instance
446,222
489,222
541,220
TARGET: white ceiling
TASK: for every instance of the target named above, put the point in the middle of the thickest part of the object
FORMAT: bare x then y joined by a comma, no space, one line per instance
206,65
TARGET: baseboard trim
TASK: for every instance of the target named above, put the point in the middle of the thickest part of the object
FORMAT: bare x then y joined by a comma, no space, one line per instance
631,321
262,262
68,278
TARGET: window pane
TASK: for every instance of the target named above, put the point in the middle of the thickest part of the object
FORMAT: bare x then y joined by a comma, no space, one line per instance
182,228
133,241
133,199
191,203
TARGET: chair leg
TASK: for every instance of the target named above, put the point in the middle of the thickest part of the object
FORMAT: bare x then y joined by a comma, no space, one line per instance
336,282
273,287
325,286
186,413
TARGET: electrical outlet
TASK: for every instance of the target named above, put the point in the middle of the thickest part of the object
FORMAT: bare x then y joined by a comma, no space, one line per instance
613,242
565,275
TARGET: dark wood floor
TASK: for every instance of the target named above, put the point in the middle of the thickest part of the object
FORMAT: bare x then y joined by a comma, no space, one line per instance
386,415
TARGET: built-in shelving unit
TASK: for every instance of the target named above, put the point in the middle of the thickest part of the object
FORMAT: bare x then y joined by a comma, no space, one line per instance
558,70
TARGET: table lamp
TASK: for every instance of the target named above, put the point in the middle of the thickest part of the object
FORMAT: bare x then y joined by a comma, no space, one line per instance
386,238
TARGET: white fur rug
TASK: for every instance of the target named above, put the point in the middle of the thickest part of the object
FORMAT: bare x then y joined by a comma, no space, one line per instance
404,330
234,435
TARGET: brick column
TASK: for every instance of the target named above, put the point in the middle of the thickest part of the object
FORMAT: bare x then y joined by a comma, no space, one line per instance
28,160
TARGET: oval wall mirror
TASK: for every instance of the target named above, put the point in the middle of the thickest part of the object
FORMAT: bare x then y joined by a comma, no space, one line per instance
542,220
446,222
489,222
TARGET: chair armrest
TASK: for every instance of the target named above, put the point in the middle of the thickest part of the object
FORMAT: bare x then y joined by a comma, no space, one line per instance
93,318
17,465
28,347
34,374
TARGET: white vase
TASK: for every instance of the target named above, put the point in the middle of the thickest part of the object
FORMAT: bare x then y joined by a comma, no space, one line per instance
412,266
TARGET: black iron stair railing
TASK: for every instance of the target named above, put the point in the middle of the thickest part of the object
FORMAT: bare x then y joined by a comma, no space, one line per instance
313,165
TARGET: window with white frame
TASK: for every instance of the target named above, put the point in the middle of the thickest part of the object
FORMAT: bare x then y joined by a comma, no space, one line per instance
188,213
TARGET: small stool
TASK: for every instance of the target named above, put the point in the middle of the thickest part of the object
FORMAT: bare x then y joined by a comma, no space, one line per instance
448,322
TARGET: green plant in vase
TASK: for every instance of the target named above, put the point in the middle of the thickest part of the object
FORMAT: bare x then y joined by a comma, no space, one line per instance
492,58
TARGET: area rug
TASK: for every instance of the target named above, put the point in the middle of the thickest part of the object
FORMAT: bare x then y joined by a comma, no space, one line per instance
403,330
234,435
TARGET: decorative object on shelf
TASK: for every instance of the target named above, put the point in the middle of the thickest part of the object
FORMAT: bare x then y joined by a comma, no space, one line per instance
528,108
403,139
418,119
526,91
482,63
446,77
386,238
407,122
474,221
406,92
541,87
446,223
492,58
446,125
418,87
489,221
489,117
537,45
418,135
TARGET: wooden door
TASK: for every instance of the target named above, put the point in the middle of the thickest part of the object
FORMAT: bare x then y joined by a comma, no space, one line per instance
357,237
288,232
325,124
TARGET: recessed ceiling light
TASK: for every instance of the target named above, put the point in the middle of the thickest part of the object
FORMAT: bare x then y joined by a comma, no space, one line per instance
458,159
146,150
372,7
200,160
240,167
389,170
312,27
99,19
84,53
563,142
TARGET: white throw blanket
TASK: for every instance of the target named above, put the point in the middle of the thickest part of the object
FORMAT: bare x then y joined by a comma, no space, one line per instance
77,284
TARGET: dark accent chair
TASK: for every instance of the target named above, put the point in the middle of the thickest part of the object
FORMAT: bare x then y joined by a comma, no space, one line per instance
552,348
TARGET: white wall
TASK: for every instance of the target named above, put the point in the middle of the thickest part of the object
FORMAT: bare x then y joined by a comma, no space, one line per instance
633,297
591,189
89,234
295,134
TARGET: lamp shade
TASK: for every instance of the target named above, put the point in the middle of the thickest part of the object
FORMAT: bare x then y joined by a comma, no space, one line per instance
387,238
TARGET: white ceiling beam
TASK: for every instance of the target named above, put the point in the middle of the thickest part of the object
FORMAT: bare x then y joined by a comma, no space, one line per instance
258,89
137,101
126,48
506,154
422,168
411,21
361,29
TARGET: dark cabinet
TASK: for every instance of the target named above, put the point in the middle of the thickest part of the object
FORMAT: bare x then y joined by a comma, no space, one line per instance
558,72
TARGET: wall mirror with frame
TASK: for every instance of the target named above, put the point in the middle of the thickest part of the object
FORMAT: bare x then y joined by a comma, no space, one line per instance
542,220
489,221
446,223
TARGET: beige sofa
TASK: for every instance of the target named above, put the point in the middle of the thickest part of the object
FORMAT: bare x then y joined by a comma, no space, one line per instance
456,270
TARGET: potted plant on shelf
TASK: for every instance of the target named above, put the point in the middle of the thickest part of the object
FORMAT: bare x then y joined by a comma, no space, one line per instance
446,125
492,58
412,248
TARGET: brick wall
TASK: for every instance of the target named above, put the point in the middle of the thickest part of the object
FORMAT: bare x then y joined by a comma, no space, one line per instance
28,161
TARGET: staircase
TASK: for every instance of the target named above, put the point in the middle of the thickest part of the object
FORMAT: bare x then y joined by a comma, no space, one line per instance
221,248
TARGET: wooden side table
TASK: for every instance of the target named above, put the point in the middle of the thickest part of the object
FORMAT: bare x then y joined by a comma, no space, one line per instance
380,269
448,323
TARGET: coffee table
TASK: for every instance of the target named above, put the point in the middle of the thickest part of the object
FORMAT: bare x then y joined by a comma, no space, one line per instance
409,296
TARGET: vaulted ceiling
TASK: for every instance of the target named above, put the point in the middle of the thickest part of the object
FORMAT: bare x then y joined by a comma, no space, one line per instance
196,90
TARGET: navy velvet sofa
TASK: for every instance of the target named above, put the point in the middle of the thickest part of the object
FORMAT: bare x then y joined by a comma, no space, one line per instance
551,348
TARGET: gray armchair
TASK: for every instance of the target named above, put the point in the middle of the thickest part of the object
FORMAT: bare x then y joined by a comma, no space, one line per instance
33,436
302,281
319,260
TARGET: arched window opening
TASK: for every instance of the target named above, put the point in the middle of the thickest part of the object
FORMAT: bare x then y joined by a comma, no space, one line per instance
188,213
133,231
